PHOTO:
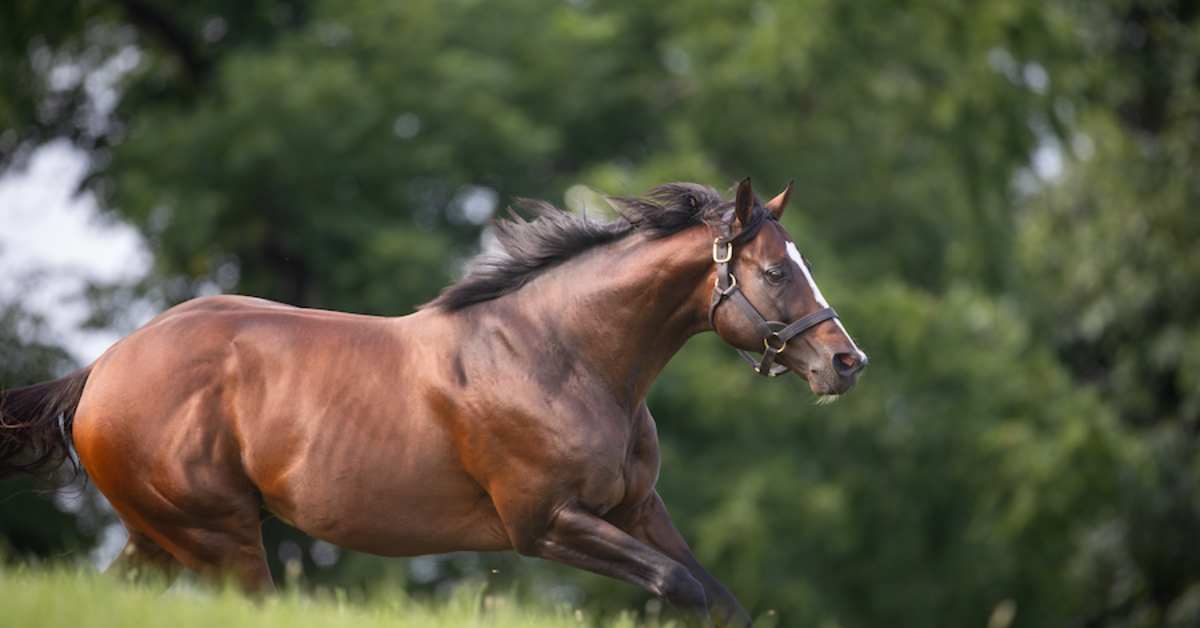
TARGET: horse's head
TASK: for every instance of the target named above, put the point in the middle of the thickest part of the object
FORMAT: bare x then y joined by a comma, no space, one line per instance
766,300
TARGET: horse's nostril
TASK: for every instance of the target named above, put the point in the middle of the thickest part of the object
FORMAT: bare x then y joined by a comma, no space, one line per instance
847,364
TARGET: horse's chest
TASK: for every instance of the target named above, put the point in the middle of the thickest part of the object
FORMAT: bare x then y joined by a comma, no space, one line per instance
591,453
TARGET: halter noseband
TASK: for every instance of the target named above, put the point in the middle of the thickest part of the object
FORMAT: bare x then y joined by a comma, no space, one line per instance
775,335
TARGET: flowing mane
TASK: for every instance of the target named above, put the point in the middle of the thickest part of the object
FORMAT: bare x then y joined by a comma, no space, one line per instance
530,247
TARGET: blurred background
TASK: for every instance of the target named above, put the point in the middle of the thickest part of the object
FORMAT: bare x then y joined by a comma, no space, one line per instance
1000,197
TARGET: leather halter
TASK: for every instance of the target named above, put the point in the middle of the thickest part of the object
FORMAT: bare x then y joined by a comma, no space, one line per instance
775,335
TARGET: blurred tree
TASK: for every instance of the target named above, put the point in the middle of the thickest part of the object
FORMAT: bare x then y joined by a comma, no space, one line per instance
33,524
1005,184
61,59
1112,250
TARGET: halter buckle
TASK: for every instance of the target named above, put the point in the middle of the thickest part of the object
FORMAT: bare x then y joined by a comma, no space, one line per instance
767,343
717,257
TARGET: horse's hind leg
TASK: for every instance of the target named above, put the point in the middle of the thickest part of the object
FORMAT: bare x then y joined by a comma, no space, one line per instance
206,517
177,481
155,433
228,546
142,559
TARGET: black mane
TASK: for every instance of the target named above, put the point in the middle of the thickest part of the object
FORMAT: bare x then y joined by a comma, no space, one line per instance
529,247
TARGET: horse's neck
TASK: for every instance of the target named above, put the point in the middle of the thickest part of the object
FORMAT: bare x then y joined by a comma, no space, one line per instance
626,309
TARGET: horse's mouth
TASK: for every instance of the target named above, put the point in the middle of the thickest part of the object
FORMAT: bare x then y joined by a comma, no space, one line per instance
824,382
828,387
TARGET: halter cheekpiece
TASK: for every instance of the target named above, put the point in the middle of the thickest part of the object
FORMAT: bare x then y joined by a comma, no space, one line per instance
775,334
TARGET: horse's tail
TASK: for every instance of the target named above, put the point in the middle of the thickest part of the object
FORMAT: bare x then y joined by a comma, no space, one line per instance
35,424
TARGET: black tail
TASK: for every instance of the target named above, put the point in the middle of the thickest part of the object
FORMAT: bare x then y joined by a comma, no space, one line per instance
35,424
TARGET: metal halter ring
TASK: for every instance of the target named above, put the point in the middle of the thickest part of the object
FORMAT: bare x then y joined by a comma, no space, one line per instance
717,251
728,289
780,348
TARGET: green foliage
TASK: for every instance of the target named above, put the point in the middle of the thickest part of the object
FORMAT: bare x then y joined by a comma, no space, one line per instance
1113,260
32,524
1022,451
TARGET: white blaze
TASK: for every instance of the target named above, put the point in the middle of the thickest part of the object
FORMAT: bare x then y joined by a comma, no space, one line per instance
794,253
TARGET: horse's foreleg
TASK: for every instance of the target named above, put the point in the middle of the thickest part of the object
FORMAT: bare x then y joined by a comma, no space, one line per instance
583,540
651,523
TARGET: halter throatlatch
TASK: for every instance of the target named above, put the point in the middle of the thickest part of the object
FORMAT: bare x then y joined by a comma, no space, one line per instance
775,335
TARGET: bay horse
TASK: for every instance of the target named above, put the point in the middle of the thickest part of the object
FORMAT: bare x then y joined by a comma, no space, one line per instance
509,413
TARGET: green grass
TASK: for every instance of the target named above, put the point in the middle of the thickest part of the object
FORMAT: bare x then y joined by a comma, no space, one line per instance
61,598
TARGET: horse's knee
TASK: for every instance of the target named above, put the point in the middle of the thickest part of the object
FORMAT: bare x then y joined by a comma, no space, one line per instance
681,589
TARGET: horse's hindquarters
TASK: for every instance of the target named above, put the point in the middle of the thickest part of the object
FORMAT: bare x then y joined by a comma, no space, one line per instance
215,410
150,431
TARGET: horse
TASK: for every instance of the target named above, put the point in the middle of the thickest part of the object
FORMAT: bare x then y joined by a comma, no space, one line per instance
508,413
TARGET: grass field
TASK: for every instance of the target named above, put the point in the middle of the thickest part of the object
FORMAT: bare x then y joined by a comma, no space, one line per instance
61,598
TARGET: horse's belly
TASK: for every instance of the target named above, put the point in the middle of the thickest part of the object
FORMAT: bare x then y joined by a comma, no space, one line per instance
411,525
406,506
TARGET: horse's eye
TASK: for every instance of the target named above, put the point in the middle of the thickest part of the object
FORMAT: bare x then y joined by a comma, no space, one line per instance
775,275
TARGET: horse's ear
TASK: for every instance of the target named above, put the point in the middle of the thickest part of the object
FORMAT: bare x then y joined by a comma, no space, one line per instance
744,202
777,204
